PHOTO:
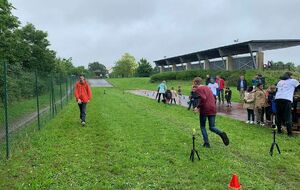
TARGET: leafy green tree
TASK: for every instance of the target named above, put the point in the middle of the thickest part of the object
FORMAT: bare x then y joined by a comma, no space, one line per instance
125,67
39,56
144,69
98,69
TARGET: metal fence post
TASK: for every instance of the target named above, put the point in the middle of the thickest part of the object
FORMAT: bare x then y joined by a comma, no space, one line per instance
37,99
67,91
6,110
60,91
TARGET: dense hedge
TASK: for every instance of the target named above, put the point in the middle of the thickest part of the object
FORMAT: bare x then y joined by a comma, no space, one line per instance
231,77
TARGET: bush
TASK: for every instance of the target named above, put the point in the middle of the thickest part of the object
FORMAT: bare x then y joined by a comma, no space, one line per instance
231,77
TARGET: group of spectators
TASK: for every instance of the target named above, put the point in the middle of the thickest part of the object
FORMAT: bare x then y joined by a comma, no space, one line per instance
166,95
279,104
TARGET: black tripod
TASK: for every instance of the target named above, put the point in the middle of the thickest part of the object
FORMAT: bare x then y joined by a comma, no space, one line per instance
274,141
194,150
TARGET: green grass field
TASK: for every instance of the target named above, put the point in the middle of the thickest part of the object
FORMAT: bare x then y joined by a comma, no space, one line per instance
144,83
133,142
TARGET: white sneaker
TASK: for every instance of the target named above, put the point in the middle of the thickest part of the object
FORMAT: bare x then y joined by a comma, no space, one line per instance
248,121
262,124
83,123
251,122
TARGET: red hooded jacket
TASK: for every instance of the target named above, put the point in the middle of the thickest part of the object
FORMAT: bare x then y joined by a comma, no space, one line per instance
207,104
221,83
82,91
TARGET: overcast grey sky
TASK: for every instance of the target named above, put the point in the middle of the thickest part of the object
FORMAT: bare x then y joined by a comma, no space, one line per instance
103,30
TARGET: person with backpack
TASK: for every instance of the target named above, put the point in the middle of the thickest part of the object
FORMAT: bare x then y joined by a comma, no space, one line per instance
83,95
207,110
162,87
270,108
168,96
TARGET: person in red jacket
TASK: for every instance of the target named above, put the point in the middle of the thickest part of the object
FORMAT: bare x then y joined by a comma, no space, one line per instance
221,84
83,95
207,109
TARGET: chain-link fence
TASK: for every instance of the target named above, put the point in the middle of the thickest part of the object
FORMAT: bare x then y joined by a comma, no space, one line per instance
28,101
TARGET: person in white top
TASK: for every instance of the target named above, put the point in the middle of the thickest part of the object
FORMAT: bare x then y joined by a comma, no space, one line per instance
213,87
283,101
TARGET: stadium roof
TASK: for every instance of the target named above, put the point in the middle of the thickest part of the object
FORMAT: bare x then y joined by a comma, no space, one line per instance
233,49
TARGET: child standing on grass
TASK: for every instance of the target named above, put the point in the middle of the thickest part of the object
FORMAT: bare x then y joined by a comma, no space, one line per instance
174,95
249,104
228,96
179,92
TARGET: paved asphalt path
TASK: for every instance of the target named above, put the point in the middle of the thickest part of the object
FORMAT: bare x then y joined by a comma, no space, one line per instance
99,83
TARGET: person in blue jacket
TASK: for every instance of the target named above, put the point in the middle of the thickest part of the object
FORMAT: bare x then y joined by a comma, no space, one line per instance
242,87
162,87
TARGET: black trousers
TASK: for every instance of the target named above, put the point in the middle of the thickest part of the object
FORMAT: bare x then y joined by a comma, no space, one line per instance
250,114
159,95
173,99
82,108
283,115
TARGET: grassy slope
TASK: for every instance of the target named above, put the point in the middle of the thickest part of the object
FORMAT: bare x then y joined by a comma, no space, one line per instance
132,142
144,83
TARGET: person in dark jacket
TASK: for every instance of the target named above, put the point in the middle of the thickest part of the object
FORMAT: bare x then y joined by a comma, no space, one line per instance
194,99
242,87
83,95
207,110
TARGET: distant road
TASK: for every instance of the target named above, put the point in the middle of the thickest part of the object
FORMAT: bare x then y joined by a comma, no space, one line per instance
99,83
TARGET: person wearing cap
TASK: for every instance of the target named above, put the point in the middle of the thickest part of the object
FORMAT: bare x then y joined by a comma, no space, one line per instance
283,101
207,109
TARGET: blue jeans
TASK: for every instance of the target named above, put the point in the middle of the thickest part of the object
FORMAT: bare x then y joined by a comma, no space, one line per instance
82,108
211,121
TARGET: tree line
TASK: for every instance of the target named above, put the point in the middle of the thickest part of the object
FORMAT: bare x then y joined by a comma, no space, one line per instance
26,48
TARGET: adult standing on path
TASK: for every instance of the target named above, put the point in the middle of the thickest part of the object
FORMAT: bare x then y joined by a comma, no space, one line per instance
221,84
162,87
83,95
242,87
283,101
207,109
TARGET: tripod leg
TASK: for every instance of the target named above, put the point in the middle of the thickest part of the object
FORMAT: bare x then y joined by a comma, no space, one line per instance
278,148
271,149
192,155
197,154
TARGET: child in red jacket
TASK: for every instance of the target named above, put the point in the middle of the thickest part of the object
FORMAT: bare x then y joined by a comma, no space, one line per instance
83,95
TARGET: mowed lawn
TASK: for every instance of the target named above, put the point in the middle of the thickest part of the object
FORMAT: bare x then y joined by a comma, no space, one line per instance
132,142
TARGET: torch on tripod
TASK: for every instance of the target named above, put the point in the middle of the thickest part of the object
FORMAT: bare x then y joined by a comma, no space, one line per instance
194,151
274,128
